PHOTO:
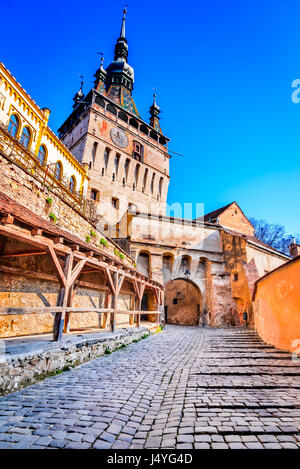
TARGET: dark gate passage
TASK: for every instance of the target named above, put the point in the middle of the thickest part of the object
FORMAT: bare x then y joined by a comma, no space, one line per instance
183,302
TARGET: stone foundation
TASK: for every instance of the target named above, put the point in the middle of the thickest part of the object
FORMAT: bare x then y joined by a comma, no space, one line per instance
31,360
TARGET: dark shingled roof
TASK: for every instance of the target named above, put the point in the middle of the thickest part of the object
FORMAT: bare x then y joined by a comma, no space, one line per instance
215,213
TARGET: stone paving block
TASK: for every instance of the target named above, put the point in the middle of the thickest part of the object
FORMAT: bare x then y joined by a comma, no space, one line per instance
268,439
253,445
202,446
205,430
43,441
58,443
237,446
77,445
233,438
273,445
153,442
184,446
217,445
185,439
100,444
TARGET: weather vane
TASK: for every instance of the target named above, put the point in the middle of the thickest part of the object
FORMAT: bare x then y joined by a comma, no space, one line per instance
82,82
102,57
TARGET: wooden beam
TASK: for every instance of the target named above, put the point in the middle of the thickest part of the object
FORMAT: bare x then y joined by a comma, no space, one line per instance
58,240
110,280
36,232
119,284
7,219
25,237
11,311
23,253
76,271
60,274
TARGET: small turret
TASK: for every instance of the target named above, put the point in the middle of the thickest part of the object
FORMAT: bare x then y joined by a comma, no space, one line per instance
78,96
100,77
154,115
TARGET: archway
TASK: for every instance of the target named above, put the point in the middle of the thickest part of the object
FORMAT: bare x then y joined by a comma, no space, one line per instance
183,302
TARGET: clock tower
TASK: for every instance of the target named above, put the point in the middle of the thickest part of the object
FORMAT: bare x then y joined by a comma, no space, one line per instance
126,158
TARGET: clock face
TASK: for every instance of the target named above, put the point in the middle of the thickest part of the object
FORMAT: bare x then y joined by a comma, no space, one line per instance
119,137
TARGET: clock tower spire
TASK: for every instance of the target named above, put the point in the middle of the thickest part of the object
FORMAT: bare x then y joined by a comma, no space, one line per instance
120,75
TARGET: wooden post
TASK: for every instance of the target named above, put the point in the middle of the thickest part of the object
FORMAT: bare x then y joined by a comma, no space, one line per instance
67,277
113,303
139,288
132,307
107,303
72,293
62,300
115,282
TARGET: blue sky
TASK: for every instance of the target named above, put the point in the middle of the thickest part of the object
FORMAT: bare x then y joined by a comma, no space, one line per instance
222,71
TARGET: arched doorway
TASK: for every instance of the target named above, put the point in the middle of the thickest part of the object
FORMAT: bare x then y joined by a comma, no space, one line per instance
183,302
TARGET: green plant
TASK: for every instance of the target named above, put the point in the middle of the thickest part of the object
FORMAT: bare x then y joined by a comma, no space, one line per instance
103,242
93,234
121,255
134,264
107,351
88,239
49,201
53,217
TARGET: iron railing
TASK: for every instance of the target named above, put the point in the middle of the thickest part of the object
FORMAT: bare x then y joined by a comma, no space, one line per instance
14,151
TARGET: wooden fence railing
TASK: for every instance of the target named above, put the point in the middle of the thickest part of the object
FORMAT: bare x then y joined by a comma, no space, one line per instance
15,311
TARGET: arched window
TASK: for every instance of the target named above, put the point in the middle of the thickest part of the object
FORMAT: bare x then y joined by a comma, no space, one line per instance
127,162
94,152
13,125
167,266
185,264
143,263
25,137
136,174
106,156
58,170
160,186
123,116
153,135
152,183
117,160
42,155
145,180
144,129
72,185
134,123
111,109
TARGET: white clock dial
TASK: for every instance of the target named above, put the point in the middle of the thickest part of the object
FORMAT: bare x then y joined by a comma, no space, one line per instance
119,137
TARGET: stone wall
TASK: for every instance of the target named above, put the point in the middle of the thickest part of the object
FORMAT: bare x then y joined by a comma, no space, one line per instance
277,307
26,190
22,369
234,219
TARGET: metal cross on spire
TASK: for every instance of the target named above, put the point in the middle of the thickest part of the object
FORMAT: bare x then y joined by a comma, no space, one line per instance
122,34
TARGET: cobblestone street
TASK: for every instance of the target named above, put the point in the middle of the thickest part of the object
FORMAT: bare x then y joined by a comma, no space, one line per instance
182,388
